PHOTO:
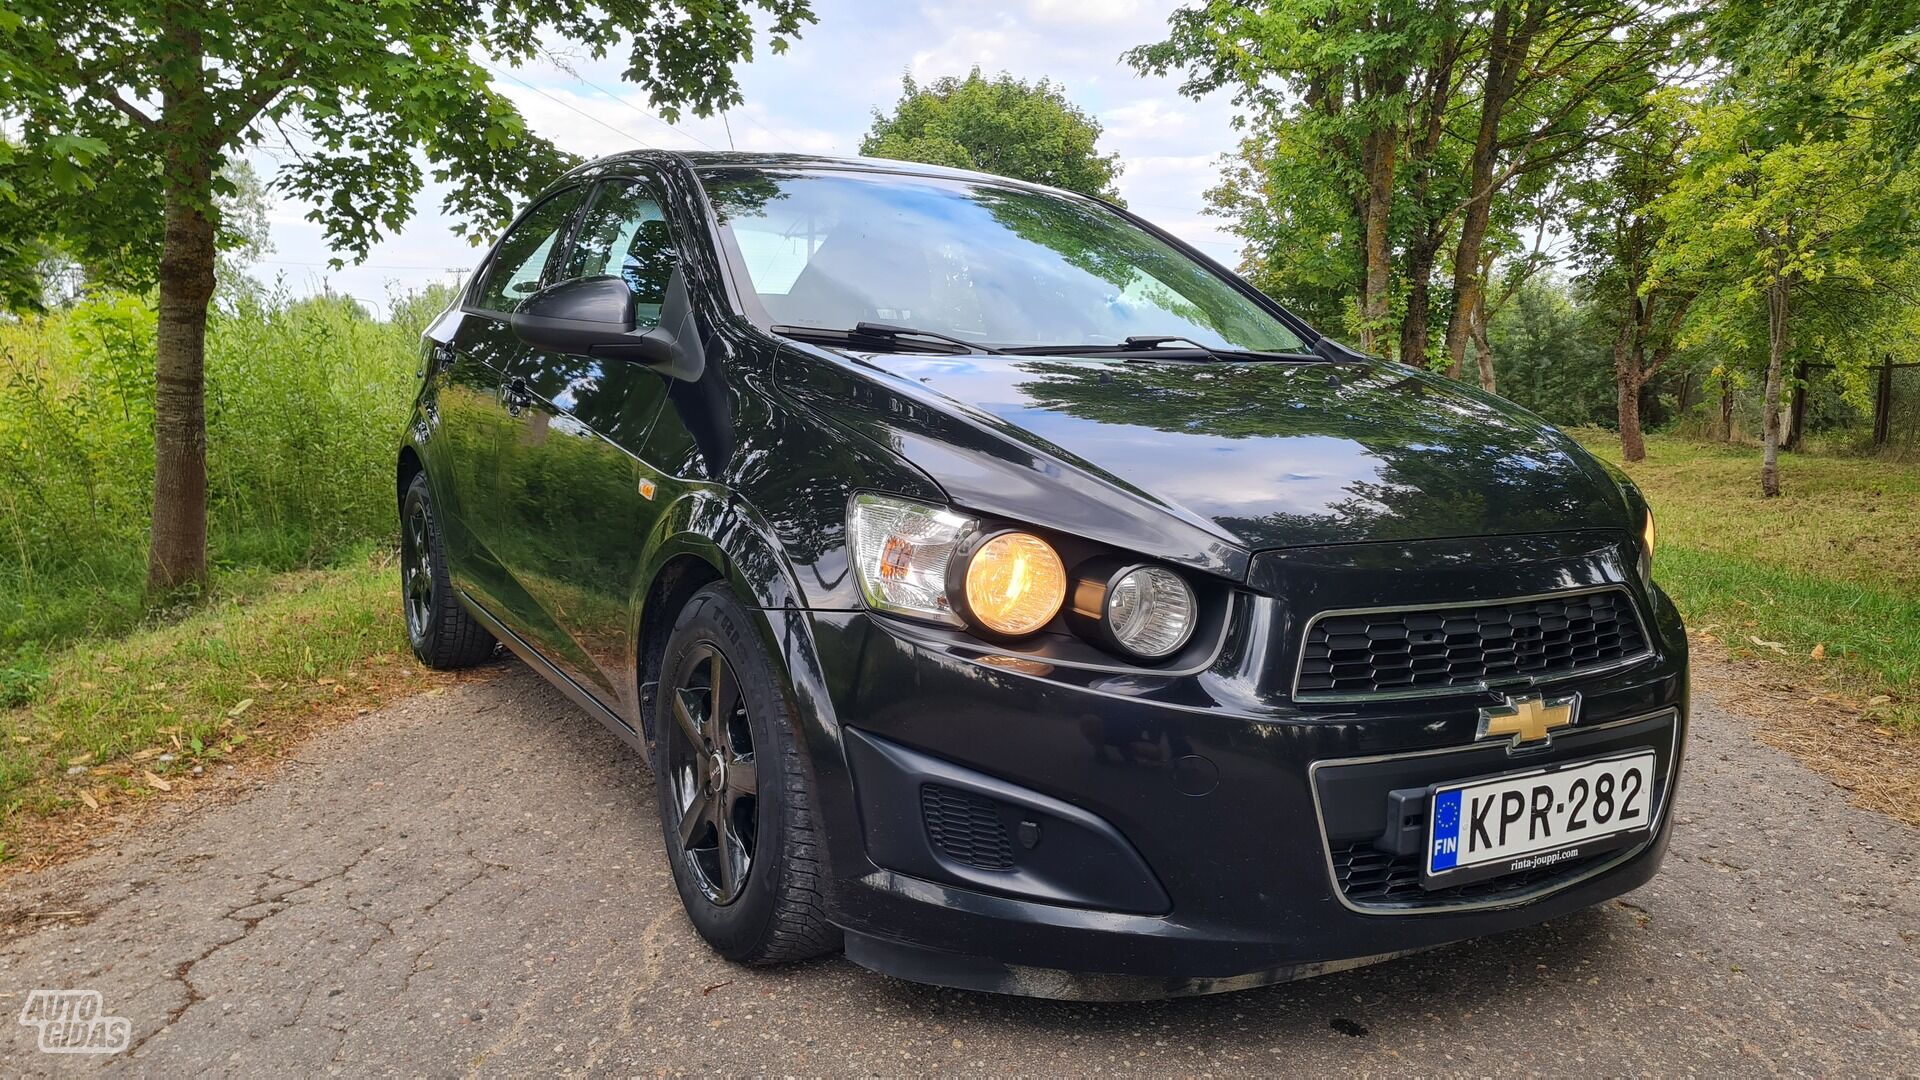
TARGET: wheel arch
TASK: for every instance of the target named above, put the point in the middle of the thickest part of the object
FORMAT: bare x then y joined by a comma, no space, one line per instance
709,536
406,467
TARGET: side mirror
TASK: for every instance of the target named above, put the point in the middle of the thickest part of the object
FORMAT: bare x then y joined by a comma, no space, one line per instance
593,317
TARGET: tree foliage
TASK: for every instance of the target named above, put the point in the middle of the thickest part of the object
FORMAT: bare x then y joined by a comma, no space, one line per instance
1774,204
1006,126
1434,125
128,113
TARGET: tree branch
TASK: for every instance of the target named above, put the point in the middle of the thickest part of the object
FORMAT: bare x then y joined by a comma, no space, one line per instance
109,94
267,86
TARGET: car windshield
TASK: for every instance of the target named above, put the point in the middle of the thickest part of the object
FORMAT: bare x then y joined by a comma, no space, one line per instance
992,264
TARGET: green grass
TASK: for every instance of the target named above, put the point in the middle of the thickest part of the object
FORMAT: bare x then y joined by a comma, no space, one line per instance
194,692
1832,566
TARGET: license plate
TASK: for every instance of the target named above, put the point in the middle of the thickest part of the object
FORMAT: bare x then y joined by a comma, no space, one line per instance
1481,829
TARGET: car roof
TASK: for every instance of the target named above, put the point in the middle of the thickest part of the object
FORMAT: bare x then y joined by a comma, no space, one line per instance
755,159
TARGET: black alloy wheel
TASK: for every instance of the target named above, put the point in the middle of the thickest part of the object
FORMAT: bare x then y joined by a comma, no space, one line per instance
737,813
416,570
713,773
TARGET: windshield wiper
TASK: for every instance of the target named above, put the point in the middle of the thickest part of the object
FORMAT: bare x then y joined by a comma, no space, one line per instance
1152,346
887,332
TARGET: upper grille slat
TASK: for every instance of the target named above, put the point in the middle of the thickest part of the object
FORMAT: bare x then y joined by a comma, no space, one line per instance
1432,650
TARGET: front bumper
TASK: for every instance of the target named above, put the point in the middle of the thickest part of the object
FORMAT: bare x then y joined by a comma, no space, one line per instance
1185,832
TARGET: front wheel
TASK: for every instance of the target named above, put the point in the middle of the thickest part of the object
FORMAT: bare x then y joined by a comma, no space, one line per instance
736,806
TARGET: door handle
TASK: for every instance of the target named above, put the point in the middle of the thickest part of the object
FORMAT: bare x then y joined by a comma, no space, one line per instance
515,395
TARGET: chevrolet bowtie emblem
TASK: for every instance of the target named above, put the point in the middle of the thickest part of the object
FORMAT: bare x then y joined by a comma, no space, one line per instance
1529,719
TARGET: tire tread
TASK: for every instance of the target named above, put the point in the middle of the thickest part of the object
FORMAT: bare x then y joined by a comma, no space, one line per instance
454,639
797,927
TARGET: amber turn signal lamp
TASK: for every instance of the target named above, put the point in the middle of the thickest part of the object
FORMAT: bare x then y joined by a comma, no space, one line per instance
1015,584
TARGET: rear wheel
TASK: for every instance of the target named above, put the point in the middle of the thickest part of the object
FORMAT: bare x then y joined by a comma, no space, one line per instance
736,807
443,634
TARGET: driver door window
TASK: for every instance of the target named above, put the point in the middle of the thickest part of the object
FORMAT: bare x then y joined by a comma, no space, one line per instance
515,272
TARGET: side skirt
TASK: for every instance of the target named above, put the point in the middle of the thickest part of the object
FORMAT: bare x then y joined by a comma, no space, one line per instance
579,694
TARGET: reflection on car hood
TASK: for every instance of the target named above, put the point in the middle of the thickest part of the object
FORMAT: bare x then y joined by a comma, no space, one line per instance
1263,455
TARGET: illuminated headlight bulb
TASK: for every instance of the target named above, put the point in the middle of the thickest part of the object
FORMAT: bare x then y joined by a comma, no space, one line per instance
1015,584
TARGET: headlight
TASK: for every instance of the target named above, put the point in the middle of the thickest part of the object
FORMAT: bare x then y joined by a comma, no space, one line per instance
1646,548
1147,611
901,554
1015,583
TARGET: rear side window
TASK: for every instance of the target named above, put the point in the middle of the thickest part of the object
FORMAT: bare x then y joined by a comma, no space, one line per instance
514,272
624,233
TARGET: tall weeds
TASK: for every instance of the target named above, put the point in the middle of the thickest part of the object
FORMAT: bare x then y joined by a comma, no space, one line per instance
305,403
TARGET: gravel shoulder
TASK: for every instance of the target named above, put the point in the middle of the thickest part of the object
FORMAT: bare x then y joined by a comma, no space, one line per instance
473,883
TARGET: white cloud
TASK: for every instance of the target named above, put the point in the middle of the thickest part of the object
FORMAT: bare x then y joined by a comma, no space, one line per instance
1145,118
1082,12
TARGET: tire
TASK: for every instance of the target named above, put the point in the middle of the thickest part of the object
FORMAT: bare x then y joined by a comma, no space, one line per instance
443,634
774,911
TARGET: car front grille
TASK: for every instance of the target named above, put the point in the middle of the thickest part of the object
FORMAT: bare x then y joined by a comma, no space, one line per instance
1369,877
1433,650
966,827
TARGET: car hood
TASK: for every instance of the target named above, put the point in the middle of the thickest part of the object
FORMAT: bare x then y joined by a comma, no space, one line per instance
1260,455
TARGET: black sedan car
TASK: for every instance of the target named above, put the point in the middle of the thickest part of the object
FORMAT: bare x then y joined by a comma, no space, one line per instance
996,585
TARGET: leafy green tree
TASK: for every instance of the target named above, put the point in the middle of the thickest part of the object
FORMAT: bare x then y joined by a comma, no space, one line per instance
1004,125
1615,236
1775,204
1426,117
1762,39
1352,79
129,111
1550,354
1558,79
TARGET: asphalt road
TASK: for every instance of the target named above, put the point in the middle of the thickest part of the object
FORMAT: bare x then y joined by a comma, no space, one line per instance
473,883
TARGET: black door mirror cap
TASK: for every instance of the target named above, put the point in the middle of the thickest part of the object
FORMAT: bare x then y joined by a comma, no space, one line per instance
593,317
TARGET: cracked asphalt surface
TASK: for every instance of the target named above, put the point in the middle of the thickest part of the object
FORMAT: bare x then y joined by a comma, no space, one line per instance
473,883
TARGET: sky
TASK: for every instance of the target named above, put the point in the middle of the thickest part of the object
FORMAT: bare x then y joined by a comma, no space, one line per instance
819,97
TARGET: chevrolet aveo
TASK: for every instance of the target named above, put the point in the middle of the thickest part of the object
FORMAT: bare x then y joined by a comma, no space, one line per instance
1000,589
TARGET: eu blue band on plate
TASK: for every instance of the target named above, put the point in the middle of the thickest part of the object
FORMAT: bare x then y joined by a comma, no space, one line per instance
1445,850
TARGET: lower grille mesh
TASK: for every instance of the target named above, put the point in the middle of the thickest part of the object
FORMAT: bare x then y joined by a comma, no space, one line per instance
966,827
1368,875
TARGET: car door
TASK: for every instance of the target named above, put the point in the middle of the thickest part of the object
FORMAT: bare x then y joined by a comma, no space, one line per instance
481,412
579,491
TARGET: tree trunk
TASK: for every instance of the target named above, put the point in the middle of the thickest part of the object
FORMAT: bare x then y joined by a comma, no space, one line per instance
1726,408
1482,344
1414,325
1505,54
1797,417
178,552
1626,376
1378,152
1770,417
1883,404
1633,444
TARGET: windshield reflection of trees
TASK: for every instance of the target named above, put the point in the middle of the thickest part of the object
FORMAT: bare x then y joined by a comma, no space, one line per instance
1094,240
1126,276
